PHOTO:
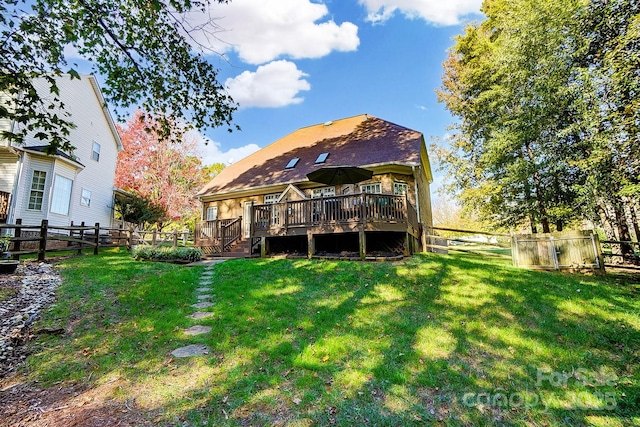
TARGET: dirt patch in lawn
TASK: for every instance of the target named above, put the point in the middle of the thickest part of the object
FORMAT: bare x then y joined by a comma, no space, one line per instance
27,405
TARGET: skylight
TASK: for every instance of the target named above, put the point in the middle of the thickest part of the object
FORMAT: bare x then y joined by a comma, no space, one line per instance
322,158
292,163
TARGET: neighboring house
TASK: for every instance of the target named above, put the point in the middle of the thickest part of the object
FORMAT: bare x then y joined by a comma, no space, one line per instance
65,187
267,200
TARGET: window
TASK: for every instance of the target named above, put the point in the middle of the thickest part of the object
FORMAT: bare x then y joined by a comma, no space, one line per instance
322,158
400,188
292,163
374,188
271,198
323,192
36,195
85,198
212,213
95,153
61,195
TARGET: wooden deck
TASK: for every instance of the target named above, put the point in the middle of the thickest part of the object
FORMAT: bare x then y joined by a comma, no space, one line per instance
359,213
336,214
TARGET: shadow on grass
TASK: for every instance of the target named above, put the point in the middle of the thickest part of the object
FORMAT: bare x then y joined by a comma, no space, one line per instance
455,339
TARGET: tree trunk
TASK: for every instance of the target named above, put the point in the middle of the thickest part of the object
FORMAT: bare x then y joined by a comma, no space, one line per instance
626,250
542,206
634,219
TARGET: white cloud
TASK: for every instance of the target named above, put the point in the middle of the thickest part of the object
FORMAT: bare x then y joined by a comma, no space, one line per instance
263,30
212,153
275,84
441,12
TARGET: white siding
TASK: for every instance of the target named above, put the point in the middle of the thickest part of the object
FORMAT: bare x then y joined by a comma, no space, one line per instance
8,166
67,171
28,216
5,124
82,102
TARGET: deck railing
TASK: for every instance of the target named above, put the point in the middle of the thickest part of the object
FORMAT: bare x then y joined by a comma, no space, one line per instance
358,208
218,235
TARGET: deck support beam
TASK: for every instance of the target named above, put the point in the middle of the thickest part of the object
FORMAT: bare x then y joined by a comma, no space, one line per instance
311,245
362,238
263,247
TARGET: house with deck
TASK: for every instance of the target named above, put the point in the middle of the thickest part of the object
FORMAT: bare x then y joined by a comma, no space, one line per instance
355,187
63,187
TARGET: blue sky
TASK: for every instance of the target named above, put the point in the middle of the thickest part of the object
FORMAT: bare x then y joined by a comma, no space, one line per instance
295,63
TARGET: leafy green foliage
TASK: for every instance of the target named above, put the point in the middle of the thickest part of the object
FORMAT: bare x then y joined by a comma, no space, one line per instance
148,253
138,210
143,49
546,94
508,80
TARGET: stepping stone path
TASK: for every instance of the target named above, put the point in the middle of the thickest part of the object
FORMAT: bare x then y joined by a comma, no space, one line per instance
197,330
201,315
205,304
204,297
191,350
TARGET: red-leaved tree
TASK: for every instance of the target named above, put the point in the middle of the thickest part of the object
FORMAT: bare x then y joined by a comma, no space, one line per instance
164,172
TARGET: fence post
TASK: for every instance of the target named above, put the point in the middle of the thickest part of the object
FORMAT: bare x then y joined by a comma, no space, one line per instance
81,237
130,238
16,243
154,237
97,231
44,226
514,250
175,237
554,254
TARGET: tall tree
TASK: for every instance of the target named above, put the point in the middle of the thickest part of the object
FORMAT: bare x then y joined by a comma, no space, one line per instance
610,119
143,49
509,82
165,173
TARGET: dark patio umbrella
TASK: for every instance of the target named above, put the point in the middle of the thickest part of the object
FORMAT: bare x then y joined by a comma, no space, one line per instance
336,175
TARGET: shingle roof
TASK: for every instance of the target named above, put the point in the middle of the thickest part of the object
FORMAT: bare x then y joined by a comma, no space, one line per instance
355,141
43,149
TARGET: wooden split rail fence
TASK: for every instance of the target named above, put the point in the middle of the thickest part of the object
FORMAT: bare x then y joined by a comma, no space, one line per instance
45,238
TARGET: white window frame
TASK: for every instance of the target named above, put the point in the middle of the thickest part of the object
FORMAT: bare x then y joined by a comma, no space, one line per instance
271,198
211,213
85,197
317,193
397,188
95,151
37,189
61,195
371,188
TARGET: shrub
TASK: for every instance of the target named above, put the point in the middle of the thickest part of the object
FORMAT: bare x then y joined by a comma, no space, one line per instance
166,254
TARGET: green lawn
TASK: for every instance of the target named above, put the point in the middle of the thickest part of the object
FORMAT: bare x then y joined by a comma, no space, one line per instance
450,338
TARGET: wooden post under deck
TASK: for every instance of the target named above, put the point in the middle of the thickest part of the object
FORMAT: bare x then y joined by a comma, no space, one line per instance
363,244
311,245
